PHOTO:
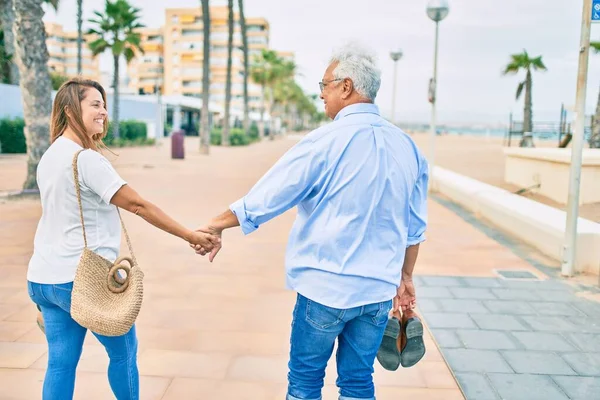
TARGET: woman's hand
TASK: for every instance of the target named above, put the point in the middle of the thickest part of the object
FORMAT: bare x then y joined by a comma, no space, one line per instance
204,240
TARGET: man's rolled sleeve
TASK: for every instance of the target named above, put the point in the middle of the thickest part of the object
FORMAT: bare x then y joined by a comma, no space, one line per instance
417,223
286,184
239,209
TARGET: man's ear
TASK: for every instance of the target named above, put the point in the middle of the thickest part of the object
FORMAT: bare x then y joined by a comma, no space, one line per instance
348,88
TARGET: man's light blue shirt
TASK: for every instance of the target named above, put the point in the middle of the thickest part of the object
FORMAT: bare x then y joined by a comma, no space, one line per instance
360,184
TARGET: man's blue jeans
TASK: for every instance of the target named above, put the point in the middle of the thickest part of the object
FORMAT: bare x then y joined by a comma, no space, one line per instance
315,328
65,343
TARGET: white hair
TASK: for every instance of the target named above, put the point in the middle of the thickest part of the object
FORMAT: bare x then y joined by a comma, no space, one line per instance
359,64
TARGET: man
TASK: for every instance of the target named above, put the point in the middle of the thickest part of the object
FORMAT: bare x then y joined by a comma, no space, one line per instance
360,185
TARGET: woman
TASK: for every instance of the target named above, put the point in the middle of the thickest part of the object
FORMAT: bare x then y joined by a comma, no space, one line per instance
80,121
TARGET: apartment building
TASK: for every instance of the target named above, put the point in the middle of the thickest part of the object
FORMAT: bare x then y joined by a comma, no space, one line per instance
146,72
176,52
62,49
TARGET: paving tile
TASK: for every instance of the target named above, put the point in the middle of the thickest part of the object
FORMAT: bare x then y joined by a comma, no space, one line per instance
446,338
448,320
543,341
21,384
462,306
436,375
550,324
550,308
485,340
253,368
589,308
536,362
515,294
538,285
183,364
11,331
483,282
578,387
444,281
395,393
584,325
473,293
498,322
556,295
20,355
585,341
434,293
407,377
476,386
587,364
187,388
508,307
468,360
425,305
526,387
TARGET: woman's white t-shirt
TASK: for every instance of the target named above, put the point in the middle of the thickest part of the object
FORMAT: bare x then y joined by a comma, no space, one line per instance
58,242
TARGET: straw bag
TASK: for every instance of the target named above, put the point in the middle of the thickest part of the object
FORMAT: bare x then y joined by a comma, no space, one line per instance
103,300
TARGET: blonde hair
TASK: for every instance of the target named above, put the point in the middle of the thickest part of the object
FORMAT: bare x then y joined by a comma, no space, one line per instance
69,96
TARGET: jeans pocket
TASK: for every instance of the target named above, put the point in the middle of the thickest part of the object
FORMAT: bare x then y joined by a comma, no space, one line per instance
323,317
382,314
62,295
31,291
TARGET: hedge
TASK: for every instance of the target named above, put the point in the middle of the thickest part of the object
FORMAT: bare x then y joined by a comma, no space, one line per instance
12,138
132,133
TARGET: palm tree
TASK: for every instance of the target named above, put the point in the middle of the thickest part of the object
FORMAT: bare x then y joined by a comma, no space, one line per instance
267,70
79,35
246,68
116,30
205,122
5,61
595,137
32,60
7,18
519,62
225,135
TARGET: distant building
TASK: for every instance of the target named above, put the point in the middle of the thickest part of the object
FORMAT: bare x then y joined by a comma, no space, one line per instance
62,50
174,53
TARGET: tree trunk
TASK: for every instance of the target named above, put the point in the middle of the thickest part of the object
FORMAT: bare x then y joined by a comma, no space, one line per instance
225,132
246,67
79,35
261,125
32,59
115,116
270,104
595,138
7,18
527,112
205,122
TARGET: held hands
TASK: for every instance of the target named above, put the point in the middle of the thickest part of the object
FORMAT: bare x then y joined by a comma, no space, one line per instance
210,247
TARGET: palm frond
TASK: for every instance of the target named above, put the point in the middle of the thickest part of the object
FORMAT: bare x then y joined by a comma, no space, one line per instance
520,89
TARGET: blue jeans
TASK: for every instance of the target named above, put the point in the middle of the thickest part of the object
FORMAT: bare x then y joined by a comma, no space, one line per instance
65,343
315,327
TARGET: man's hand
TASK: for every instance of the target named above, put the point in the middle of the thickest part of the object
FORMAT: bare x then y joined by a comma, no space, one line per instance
212,250
205,240
405,296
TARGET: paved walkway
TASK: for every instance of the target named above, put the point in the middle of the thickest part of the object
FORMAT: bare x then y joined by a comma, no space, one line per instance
221,330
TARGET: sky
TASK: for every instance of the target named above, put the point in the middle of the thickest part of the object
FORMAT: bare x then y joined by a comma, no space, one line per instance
476,41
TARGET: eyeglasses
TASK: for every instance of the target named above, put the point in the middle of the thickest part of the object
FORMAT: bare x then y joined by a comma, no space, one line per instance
323,84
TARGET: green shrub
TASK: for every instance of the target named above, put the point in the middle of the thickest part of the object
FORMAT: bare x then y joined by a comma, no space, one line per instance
12,136
129,132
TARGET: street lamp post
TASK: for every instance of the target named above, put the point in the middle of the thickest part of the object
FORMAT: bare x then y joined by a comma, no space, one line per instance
395,55
437,10
570,243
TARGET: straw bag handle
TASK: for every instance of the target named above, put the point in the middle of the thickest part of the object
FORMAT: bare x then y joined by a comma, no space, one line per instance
78,191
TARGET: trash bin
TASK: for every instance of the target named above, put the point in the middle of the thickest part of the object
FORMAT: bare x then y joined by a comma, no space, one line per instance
177,148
